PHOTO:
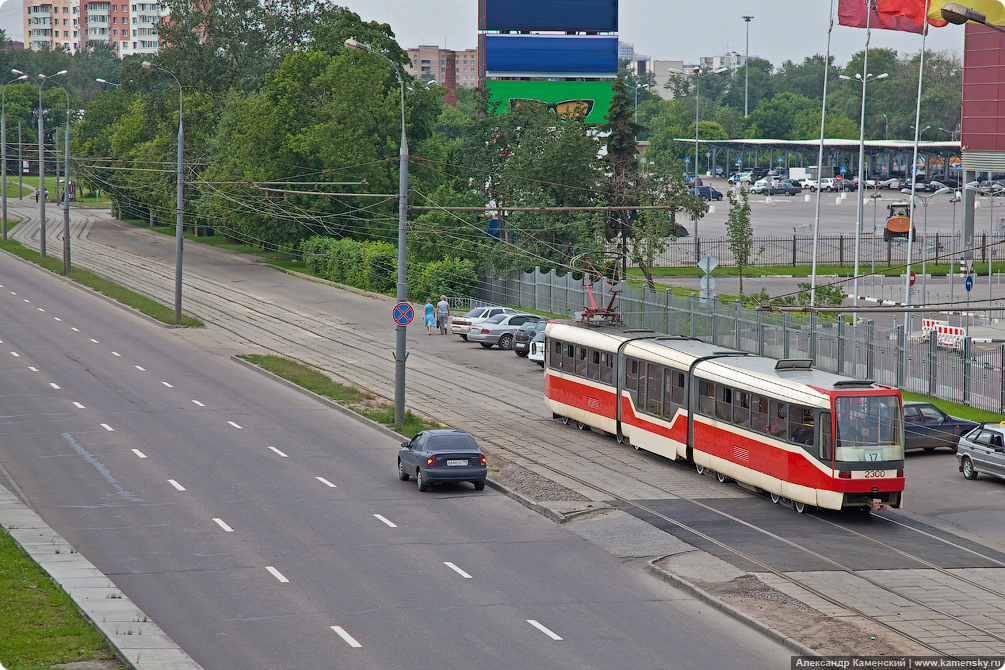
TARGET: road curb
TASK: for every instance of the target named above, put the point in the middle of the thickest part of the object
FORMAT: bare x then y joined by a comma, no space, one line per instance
557,517
138,642
729,610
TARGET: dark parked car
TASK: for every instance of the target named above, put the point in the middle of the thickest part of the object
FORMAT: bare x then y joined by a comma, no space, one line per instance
928,427
783,188
442,456
526,333
706,193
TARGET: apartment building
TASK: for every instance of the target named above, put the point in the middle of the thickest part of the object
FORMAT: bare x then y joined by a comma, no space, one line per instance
430,62
130,28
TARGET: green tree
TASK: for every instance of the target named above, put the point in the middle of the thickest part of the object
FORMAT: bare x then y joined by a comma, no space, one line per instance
622,162
774,118
739,231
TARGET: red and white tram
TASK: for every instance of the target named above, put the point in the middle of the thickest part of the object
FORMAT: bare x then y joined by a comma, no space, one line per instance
813,437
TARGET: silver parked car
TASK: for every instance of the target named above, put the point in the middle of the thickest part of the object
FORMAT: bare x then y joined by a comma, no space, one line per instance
499,330
982,450
460,325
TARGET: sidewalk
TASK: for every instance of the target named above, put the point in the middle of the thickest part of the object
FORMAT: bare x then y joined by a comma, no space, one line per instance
248,307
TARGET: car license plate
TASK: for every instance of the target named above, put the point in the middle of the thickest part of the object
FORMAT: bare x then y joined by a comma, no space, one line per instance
456,461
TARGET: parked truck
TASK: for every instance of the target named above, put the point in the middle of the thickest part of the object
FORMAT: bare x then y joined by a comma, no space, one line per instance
798,174
898,221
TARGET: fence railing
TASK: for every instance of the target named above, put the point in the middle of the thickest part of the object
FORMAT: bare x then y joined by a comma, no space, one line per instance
968,374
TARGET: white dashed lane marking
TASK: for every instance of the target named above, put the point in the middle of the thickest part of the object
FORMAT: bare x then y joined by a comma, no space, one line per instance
235,425
278,575
57,318
78,405
33,368
40,309
168,385
349,639
325,482
139,368
198,403
76,330
457,570
94,340
139,453
176,485
115,353
54,385
107,427
381,517
15,354
278,452
544,630
223,525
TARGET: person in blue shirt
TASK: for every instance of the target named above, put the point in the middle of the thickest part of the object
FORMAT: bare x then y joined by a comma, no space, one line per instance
430,318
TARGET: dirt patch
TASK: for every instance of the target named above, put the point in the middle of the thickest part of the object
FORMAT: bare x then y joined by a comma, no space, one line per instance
91,665
826,635
529,483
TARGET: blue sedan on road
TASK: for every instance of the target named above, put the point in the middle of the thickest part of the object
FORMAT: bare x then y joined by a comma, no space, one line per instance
443,455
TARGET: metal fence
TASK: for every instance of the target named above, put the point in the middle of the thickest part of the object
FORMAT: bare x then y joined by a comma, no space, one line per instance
831,250
971,375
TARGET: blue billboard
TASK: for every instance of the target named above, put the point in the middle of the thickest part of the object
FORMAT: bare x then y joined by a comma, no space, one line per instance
551,56
579,15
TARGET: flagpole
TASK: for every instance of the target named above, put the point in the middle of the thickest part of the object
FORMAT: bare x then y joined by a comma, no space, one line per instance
820,156
914,177
861,151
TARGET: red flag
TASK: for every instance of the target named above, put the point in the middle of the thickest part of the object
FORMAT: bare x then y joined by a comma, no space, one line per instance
909,9
855,13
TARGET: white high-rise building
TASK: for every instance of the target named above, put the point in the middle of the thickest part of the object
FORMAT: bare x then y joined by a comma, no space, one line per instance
130,28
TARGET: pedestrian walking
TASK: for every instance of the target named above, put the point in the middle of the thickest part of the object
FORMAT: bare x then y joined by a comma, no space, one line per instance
442,314
430,319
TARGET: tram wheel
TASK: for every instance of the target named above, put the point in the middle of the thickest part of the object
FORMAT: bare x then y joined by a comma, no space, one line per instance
565,420
801,507
721,477
580,425
700,468
775,498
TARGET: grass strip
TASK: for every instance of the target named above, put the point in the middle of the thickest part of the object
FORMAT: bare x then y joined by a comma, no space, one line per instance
350,397
39,624
956,409
108,288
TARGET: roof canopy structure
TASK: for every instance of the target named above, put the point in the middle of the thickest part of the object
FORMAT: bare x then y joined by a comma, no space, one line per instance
872,146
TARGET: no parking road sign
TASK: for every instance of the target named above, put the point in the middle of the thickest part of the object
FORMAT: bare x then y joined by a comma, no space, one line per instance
403,314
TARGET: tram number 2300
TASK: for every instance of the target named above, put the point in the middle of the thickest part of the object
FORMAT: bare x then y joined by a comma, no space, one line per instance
875,474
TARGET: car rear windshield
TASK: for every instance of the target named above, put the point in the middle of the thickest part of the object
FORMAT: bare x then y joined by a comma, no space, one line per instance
451,443
497,318
476,312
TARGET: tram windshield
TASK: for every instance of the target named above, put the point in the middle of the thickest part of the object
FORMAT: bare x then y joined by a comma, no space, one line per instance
868,428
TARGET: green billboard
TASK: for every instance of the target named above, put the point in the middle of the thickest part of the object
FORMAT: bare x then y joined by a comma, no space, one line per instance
587,100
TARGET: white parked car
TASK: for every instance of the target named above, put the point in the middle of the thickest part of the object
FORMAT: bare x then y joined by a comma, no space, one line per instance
892,183
741,178
459,325
760,186
828,184
808,184
537,346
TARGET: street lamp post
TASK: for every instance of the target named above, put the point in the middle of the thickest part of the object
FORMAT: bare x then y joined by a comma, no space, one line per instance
179,196
924,236
3,142
957,197
886,127
746,66
66,186
41,156
864,78
402,294
956,13
875,207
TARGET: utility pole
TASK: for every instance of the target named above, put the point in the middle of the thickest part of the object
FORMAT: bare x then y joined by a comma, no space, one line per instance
746,66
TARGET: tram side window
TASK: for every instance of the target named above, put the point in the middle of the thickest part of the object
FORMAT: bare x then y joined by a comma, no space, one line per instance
607,367
801,425
593,366
826,437
569,358
654,395
706,397
632,374
741,408
778,419
582,355
556,354
677,389
723,402
759,413
640,400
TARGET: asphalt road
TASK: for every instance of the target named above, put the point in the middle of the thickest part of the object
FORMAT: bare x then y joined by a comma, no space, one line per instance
262,529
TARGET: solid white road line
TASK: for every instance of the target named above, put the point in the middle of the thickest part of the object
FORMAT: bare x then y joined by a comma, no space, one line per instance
279,452
78,405
139,453
223,525
176,485
326,482
198,403
235,425
108,428
544,630
54,385
278,575
349,639
139,368
457,570
168,385
385,520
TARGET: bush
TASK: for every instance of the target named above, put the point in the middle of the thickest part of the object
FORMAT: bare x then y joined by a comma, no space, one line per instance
451,276
367,265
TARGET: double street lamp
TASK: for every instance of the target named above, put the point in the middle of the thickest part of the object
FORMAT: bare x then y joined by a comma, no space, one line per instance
402,293
924,236
41,155
179,230
3,142
861,165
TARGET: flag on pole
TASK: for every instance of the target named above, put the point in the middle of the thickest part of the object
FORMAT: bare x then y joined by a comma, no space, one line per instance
913,10
855,13
994,10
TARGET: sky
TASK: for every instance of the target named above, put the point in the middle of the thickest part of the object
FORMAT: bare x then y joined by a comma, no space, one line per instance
672,29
